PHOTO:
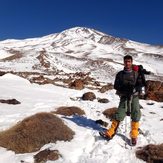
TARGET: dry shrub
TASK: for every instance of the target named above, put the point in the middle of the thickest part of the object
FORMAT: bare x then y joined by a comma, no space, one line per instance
89,96
33,132
68,111
109,113
151,153
46,155
77,84
105,88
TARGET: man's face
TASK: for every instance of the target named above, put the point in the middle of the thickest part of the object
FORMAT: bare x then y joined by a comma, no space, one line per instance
128,63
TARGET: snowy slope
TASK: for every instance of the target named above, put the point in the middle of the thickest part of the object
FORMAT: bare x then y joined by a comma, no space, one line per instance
77,50
86,146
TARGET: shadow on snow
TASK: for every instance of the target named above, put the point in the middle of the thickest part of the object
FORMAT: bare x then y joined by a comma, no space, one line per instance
85,122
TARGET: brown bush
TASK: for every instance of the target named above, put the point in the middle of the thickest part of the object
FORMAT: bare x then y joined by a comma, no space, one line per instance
89,96
46,155
33,132
109,113
77,84
151,153
68,111
105,88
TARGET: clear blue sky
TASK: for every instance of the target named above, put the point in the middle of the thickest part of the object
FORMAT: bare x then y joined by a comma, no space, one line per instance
138,20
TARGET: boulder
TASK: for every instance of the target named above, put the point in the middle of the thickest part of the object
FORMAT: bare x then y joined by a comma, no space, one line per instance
103,100
10,101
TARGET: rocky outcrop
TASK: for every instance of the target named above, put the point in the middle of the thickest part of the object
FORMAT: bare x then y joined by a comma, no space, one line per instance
10,101
154,90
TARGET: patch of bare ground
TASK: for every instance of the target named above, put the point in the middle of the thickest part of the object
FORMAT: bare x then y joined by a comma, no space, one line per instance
110,40
42,57
23,74
33,132
2,73
16,55
76,80
41,80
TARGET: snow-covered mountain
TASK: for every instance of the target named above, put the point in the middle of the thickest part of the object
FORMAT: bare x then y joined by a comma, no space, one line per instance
57,57
77,50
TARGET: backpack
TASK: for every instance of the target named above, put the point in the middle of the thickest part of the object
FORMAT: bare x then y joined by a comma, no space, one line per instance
141,81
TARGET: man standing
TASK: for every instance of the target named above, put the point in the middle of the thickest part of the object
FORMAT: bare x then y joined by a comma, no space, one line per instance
127,87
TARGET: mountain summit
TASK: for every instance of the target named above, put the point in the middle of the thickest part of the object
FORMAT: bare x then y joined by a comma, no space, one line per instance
76,50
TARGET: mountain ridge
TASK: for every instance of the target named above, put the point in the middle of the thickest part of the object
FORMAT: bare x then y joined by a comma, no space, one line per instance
78,49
